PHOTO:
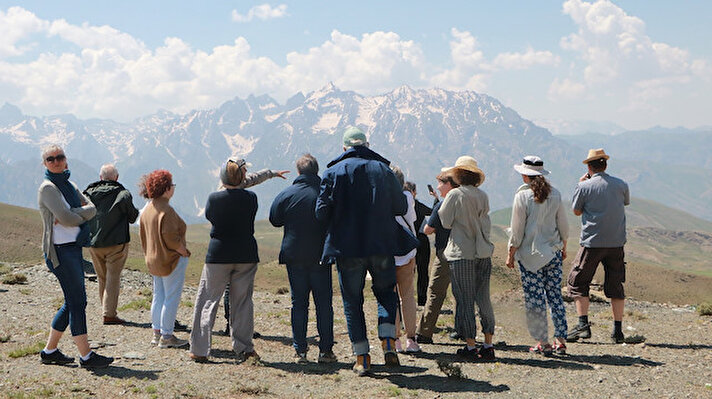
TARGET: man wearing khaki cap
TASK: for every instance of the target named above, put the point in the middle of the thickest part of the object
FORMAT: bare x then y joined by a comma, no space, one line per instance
599,199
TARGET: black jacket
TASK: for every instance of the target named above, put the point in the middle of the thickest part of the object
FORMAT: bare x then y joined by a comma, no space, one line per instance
294,208
114,212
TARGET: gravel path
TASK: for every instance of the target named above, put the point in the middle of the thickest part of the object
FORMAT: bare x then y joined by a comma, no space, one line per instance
674,362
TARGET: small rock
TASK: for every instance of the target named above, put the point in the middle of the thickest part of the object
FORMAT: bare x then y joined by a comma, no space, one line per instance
134,355
596,367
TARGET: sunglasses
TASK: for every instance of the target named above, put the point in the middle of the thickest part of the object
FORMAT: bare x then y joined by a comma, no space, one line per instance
58,158
240,162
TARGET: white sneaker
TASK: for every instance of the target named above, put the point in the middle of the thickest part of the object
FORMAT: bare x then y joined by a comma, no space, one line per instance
411,346
399,347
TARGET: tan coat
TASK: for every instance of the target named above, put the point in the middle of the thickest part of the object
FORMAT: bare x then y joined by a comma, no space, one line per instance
162,235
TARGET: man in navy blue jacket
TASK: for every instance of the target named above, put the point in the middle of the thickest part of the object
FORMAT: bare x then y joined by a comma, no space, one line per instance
302,245
358,201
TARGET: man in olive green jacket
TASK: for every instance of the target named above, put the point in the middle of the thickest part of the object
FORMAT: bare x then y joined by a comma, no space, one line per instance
110,236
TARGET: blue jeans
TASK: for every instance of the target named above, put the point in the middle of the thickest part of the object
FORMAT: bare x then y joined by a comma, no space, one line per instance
352,279
314,278
166,298
70,274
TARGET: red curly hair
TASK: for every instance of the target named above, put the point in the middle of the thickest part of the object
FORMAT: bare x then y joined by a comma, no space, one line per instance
154,184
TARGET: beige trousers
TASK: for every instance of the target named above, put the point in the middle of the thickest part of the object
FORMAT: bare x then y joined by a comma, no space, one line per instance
405,277
108,264
437,291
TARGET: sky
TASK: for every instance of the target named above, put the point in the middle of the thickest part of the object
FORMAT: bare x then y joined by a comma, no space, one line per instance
632,63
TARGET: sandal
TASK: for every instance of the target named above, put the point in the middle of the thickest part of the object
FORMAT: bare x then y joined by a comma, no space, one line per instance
559,348
545,350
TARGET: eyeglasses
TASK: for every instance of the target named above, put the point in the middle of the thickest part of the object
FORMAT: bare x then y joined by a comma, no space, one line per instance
58,158
173,185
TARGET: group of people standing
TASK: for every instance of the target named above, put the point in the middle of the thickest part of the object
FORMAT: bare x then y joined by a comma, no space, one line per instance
360,215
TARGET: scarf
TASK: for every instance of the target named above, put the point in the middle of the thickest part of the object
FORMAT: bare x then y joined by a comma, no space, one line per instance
61,181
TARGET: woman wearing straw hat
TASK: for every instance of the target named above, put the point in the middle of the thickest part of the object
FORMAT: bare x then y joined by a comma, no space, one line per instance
538,243
468,252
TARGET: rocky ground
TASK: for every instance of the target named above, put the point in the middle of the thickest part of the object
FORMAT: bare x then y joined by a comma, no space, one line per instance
674,362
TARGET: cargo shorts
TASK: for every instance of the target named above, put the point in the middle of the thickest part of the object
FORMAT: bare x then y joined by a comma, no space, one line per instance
584,268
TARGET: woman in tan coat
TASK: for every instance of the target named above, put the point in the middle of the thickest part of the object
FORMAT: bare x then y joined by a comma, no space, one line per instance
163,241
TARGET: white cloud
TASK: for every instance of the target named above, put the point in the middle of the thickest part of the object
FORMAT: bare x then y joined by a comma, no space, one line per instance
525,60
15,25
262,12
565,89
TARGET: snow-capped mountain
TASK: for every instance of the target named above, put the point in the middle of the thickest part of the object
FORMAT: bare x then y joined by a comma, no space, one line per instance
419,130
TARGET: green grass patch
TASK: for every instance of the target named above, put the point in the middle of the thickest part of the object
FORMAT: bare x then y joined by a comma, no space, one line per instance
26,350
705,309
393,391
5,338
137,304
25,291
4,269
151,389
14,278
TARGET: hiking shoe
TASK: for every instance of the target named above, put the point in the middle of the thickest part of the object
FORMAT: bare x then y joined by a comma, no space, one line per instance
245,356
327,357
421,339
467,353
177,326
411,346
580,331
96,361
156,337
389,353
559,348
198,359
456,336
546,349
399,347
108,320
55,357
486,354
617,337
171,342
362,366
301,358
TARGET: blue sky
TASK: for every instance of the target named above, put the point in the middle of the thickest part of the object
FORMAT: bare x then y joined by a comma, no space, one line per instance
634,63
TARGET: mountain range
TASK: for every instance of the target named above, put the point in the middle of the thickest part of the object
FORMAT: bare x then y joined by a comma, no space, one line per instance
419,130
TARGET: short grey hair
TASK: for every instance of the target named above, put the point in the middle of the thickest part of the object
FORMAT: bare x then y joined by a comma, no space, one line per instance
108,172
49,149
399,175
307,164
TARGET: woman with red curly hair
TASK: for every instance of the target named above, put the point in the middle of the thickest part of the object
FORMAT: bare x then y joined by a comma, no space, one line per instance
163,241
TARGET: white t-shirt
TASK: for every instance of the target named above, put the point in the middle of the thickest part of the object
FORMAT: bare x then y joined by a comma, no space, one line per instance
407,222
63,234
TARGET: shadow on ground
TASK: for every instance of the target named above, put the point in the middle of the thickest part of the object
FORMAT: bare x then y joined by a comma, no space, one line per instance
123,372
440,384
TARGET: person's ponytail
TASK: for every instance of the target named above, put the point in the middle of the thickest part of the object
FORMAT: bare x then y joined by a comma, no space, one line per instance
540,187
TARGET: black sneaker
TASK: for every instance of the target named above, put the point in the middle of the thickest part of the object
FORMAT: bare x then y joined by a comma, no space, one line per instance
486,354
421,339
580,331
96,361
456,336
177,326
617,337
55,357
467,353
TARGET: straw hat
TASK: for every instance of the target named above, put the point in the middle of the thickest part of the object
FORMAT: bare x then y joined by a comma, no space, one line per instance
468,163
531,165
595,154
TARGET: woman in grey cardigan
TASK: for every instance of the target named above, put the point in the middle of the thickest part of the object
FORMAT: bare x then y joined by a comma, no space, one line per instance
65,212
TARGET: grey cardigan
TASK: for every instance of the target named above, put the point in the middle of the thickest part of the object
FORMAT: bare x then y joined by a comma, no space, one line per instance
53,207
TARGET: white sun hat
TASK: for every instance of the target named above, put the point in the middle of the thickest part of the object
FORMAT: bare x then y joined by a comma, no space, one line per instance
531,165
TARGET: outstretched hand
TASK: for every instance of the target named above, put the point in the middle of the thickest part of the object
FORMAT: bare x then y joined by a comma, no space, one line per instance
281,173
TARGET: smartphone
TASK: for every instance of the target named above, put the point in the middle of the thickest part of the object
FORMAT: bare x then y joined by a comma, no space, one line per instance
430,189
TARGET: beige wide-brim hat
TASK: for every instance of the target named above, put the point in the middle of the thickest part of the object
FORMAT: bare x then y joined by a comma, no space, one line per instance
531,165
466,162
594,154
